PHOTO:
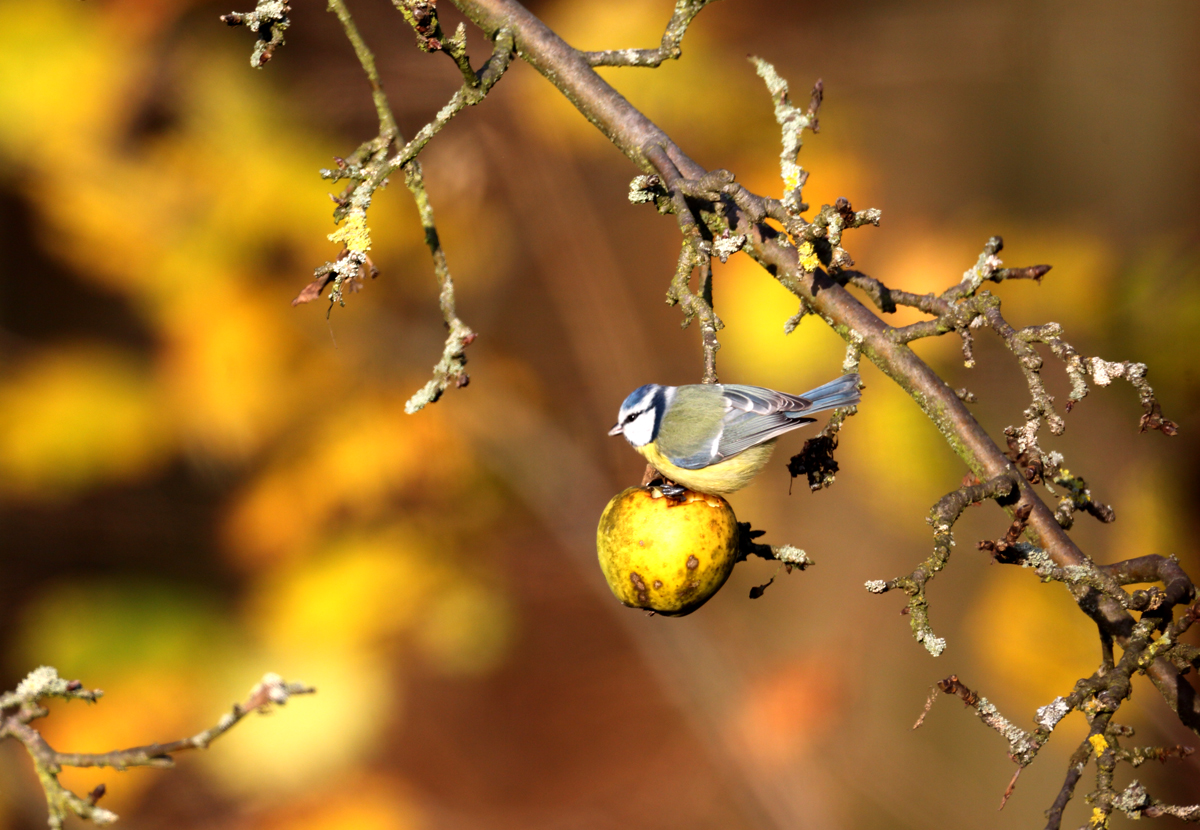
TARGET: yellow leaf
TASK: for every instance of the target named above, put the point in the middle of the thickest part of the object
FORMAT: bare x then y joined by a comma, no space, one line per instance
362,591
354,464
75,417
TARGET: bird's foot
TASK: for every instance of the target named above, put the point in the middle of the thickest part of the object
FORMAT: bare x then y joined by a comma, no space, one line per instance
653,479
671,490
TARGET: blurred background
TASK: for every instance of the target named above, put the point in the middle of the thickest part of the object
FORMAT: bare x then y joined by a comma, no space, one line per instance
200,483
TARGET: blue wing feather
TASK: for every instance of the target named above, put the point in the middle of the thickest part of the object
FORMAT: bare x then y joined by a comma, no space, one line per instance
757,415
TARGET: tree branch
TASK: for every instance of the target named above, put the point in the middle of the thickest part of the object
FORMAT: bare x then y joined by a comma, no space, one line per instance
942,517
423,17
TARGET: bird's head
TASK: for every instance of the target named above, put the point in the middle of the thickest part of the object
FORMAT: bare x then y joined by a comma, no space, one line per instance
642,413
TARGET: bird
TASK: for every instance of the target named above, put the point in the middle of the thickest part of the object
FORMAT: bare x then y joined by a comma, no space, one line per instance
715,438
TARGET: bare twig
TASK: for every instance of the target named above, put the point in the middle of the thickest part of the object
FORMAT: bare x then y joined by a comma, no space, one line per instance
670,49
942,517
789,556
697,305
1075,767
793,121
269,21
694,255
369,167
423,17
22,706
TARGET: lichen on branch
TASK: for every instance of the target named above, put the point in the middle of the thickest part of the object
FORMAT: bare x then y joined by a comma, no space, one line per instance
794,121
670,49
369,167
269,21
942,517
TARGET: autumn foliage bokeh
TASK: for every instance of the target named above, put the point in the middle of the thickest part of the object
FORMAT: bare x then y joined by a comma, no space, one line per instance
200,483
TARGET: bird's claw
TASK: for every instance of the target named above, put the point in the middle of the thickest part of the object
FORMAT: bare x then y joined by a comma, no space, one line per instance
672,491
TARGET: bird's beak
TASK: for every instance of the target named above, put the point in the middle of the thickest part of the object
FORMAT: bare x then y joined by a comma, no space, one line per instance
615,430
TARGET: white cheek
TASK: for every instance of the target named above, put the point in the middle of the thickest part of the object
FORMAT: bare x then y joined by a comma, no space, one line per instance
639,430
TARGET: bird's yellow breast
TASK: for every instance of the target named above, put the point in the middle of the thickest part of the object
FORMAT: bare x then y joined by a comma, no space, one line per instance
720,478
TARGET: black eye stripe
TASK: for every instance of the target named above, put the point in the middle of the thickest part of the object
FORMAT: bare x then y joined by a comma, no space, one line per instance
659,404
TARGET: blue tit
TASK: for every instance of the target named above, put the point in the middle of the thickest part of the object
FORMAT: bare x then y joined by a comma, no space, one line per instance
715,438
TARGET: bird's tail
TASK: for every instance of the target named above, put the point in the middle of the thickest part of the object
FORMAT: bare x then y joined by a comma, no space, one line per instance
836,393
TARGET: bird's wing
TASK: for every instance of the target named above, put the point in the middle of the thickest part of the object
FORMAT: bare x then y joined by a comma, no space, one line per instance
696,410
761,401
742,417
756,415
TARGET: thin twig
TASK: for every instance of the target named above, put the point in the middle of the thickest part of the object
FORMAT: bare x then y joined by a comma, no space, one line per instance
19,708
369,167
670,49
943,517
423,17
269,21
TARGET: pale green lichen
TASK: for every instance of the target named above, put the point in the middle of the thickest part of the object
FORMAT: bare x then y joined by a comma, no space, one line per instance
793,556
727,244
934,645
45,682
793,121
1049,715
269,21
40,682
